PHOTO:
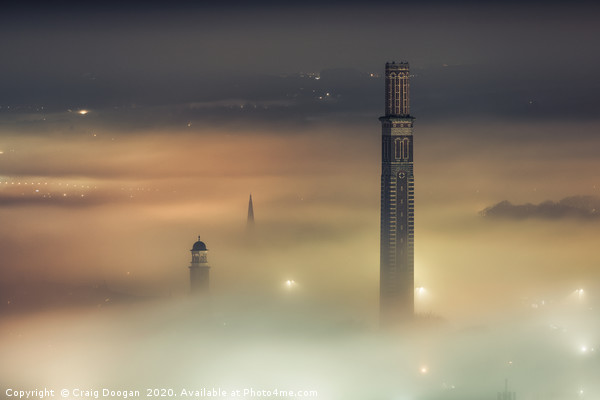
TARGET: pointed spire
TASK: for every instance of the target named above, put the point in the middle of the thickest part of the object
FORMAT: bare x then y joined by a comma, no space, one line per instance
250,213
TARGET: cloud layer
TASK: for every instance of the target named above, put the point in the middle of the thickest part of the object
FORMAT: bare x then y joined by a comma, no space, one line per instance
587,207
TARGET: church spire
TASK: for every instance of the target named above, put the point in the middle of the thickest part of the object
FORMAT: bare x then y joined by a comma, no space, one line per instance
250,213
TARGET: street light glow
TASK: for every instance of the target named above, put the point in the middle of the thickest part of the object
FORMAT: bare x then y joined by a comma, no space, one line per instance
290,283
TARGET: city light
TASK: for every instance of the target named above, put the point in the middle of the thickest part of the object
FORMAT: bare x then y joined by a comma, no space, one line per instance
290,283
586,349
82,112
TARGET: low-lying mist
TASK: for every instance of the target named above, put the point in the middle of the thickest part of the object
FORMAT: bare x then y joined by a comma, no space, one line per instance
119,212
290,341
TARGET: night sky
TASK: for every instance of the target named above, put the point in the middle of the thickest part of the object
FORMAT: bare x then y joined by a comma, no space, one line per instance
128,130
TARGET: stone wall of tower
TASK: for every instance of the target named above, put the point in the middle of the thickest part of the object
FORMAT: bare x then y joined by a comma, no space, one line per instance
199,278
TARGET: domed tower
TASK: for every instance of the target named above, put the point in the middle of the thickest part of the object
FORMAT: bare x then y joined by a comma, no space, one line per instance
199,268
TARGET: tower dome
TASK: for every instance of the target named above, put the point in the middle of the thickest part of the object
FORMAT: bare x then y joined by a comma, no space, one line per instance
199,245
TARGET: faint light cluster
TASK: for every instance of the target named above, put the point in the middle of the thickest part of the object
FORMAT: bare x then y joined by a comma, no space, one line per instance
65,185
138,189
326,96
62,190
540,304
46,189
290,283
310,75
50,190
28,108
26,183
131,190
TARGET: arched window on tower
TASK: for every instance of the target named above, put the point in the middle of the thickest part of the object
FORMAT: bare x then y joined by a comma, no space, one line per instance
401,150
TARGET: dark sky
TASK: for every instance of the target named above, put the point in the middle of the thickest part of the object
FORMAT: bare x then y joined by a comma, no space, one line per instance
504,59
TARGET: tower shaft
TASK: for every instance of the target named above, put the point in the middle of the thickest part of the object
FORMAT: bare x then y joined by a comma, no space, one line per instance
397,200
